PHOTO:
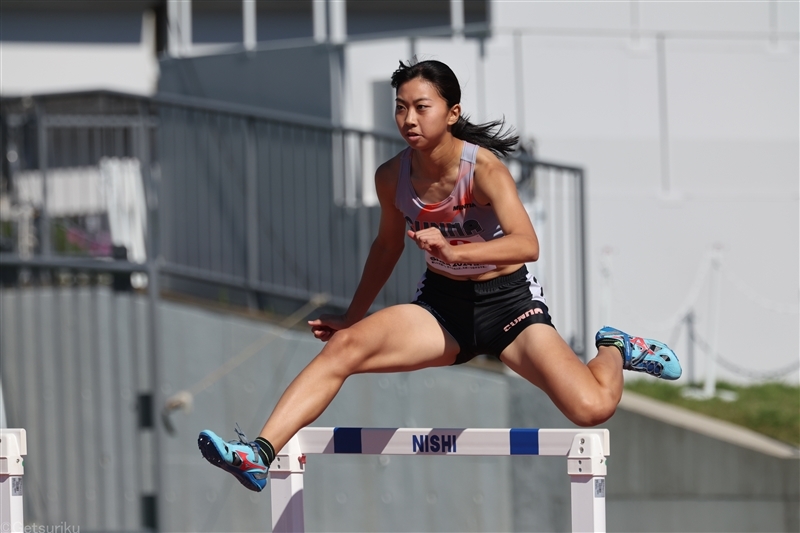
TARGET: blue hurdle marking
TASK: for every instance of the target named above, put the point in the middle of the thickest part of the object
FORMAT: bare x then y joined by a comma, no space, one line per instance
523,441
442,441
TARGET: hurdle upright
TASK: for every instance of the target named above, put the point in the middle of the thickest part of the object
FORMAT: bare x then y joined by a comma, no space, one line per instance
13,449
586,451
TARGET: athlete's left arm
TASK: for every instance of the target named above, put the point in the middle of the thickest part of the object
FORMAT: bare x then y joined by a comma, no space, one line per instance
493,184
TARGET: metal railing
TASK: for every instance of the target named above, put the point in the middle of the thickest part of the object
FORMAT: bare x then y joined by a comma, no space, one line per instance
554,198
266,204
262,203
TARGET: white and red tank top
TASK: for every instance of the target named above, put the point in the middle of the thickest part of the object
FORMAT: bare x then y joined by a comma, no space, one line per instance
459,217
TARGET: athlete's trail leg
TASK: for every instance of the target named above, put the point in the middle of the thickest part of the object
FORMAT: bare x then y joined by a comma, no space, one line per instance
587,394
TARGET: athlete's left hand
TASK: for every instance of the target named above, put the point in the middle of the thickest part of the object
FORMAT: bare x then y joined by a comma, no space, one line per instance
432,241
326,325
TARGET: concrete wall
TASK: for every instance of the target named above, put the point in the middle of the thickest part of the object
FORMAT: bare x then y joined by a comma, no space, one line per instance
67,352
685,480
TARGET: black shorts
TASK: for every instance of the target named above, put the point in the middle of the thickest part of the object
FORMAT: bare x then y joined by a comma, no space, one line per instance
484,317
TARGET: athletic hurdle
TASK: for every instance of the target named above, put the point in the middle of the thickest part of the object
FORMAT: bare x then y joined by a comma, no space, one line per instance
585,449
13,449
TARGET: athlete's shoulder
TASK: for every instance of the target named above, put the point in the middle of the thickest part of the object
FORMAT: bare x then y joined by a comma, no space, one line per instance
491,177
488,166
486,158
386,177
389,170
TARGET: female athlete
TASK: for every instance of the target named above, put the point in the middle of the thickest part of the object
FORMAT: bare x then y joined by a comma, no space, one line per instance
450,194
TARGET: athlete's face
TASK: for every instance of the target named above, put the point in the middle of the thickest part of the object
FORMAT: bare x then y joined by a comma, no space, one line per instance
422,115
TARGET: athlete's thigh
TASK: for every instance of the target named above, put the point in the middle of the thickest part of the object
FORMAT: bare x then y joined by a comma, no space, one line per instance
541,356
400,338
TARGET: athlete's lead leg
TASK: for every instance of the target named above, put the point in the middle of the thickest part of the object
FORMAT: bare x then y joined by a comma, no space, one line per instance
396,339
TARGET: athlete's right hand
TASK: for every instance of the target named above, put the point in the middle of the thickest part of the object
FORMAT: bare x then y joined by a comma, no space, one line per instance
326,325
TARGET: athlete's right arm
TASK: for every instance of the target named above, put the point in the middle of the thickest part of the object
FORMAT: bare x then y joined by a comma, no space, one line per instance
383,255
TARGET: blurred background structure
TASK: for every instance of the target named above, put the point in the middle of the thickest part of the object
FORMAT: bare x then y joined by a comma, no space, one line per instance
161,158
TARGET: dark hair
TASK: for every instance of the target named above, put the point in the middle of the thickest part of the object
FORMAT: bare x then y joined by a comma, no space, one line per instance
490,135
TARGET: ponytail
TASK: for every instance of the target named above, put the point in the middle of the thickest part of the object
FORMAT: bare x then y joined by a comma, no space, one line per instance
489,135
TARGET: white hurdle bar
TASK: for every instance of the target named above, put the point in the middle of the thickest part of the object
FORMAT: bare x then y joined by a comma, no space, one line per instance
585,449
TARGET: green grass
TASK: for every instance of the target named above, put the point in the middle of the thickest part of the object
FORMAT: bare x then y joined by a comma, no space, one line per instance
772,409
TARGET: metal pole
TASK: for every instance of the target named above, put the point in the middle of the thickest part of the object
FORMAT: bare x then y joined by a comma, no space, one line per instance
174,28
251,207
635,23
457,17
710,388
179,24
186,26
690,340
773,23
338,14
566,260
44,233
584,293
606,273
662,114
153,256
320,14
481,81
336,59
249,22
519,79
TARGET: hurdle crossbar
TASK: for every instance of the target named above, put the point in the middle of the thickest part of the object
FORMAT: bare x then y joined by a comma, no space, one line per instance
586,451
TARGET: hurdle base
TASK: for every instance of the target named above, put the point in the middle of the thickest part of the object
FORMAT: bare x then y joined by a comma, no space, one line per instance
286,486
287,502
587,468
13,448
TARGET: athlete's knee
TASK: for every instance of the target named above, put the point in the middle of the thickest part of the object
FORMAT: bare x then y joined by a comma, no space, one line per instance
346,350
591,410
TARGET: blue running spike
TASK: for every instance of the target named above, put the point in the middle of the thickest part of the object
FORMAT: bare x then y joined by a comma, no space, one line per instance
642,355
240,458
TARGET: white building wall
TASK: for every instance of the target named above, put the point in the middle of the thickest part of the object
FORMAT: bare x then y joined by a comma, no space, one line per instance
591,97
47,67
